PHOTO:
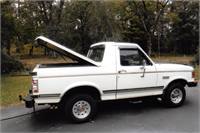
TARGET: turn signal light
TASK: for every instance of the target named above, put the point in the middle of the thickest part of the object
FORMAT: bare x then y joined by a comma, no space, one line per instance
193,74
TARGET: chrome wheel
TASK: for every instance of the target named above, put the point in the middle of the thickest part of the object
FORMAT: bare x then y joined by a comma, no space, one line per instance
176,95
81,109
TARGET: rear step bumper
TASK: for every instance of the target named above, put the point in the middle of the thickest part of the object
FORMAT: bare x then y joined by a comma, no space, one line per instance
29,101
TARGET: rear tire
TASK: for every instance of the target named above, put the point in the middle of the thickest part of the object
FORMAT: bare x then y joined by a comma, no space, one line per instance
80,108
174,95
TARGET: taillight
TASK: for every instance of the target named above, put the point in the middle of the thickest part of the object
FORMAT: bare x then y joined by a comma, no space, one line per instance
193,74
35,86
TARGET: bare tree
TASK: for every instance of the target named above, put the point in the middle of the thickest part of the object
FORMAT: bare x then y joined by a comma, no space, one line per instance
149,21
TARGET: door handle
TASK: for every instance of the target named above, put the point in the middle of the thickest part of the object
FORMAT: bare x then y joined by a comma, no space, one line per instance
122,71
142,67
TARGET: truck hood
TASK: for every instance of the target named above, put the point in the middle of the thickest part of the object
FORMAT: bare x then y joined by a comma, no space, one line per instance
43,41
172,67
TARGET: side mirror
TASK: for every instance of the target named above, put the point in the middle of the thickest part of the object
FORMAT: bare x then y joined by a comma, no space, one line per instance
144,63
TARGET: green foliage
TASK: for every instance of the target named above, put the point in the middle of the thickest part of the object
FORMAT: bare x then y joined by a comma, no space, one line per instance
7,25
169,26
9,64
142,21
184,35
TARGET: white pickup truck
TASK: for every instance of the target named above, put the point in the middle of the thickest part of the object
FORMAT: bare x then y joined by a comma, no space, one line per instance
111,71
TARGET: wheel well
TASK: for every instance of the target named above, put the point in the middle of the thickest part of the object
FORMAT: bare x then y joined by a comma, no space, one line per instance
83,89
182,81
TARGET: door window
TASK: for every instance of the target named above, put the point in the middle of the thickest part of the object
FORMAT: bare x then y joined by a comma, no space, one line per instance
132,57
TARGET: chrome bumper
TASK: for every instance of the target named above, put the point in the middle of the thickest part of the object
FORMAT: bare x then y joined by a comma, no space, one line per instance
192,84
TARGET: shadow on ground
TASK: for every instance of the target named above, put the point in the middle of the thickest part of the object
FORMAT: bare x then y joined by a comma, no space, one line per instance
105,109
116,116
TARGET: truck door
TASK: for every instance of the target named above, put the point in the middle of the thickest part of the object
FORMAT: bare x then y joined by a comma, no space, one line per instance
136,74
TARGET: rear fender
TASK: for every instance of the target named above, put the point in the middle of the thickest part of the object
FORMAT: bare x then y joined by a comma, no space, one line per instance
79,84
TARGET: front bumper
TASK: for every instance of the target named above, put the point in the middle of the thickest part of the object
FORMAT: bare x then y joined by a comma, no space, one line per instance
29,101
192,84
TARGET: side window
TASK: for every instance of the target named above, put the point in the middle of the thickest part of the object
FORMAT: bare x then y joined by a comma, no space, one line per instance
132,57
96,53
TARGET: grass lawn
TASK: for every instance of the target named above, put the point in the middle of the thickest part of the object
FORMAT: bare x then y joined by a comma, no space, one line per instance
197,72
173,59
11,87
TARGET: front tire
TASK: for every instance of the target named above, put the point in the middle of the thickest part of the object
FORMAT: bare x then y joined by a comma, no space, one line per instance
174,95
80,108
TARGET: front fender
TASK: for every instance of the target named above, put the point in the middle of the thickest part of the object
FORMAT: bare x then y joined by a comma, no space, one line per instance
172,79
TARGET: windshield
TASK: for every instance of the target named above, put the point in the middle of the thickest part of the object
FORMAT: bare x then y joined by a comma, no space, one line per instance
96,53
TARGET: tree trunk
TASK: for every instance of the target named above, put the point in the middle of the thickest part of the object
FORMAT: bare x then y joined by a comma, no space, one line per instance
149,45
8,47
31,51
83,50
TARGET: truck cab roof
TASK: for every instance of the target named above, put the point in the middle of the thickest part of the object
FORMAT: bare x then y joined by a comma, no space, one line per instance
119,44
